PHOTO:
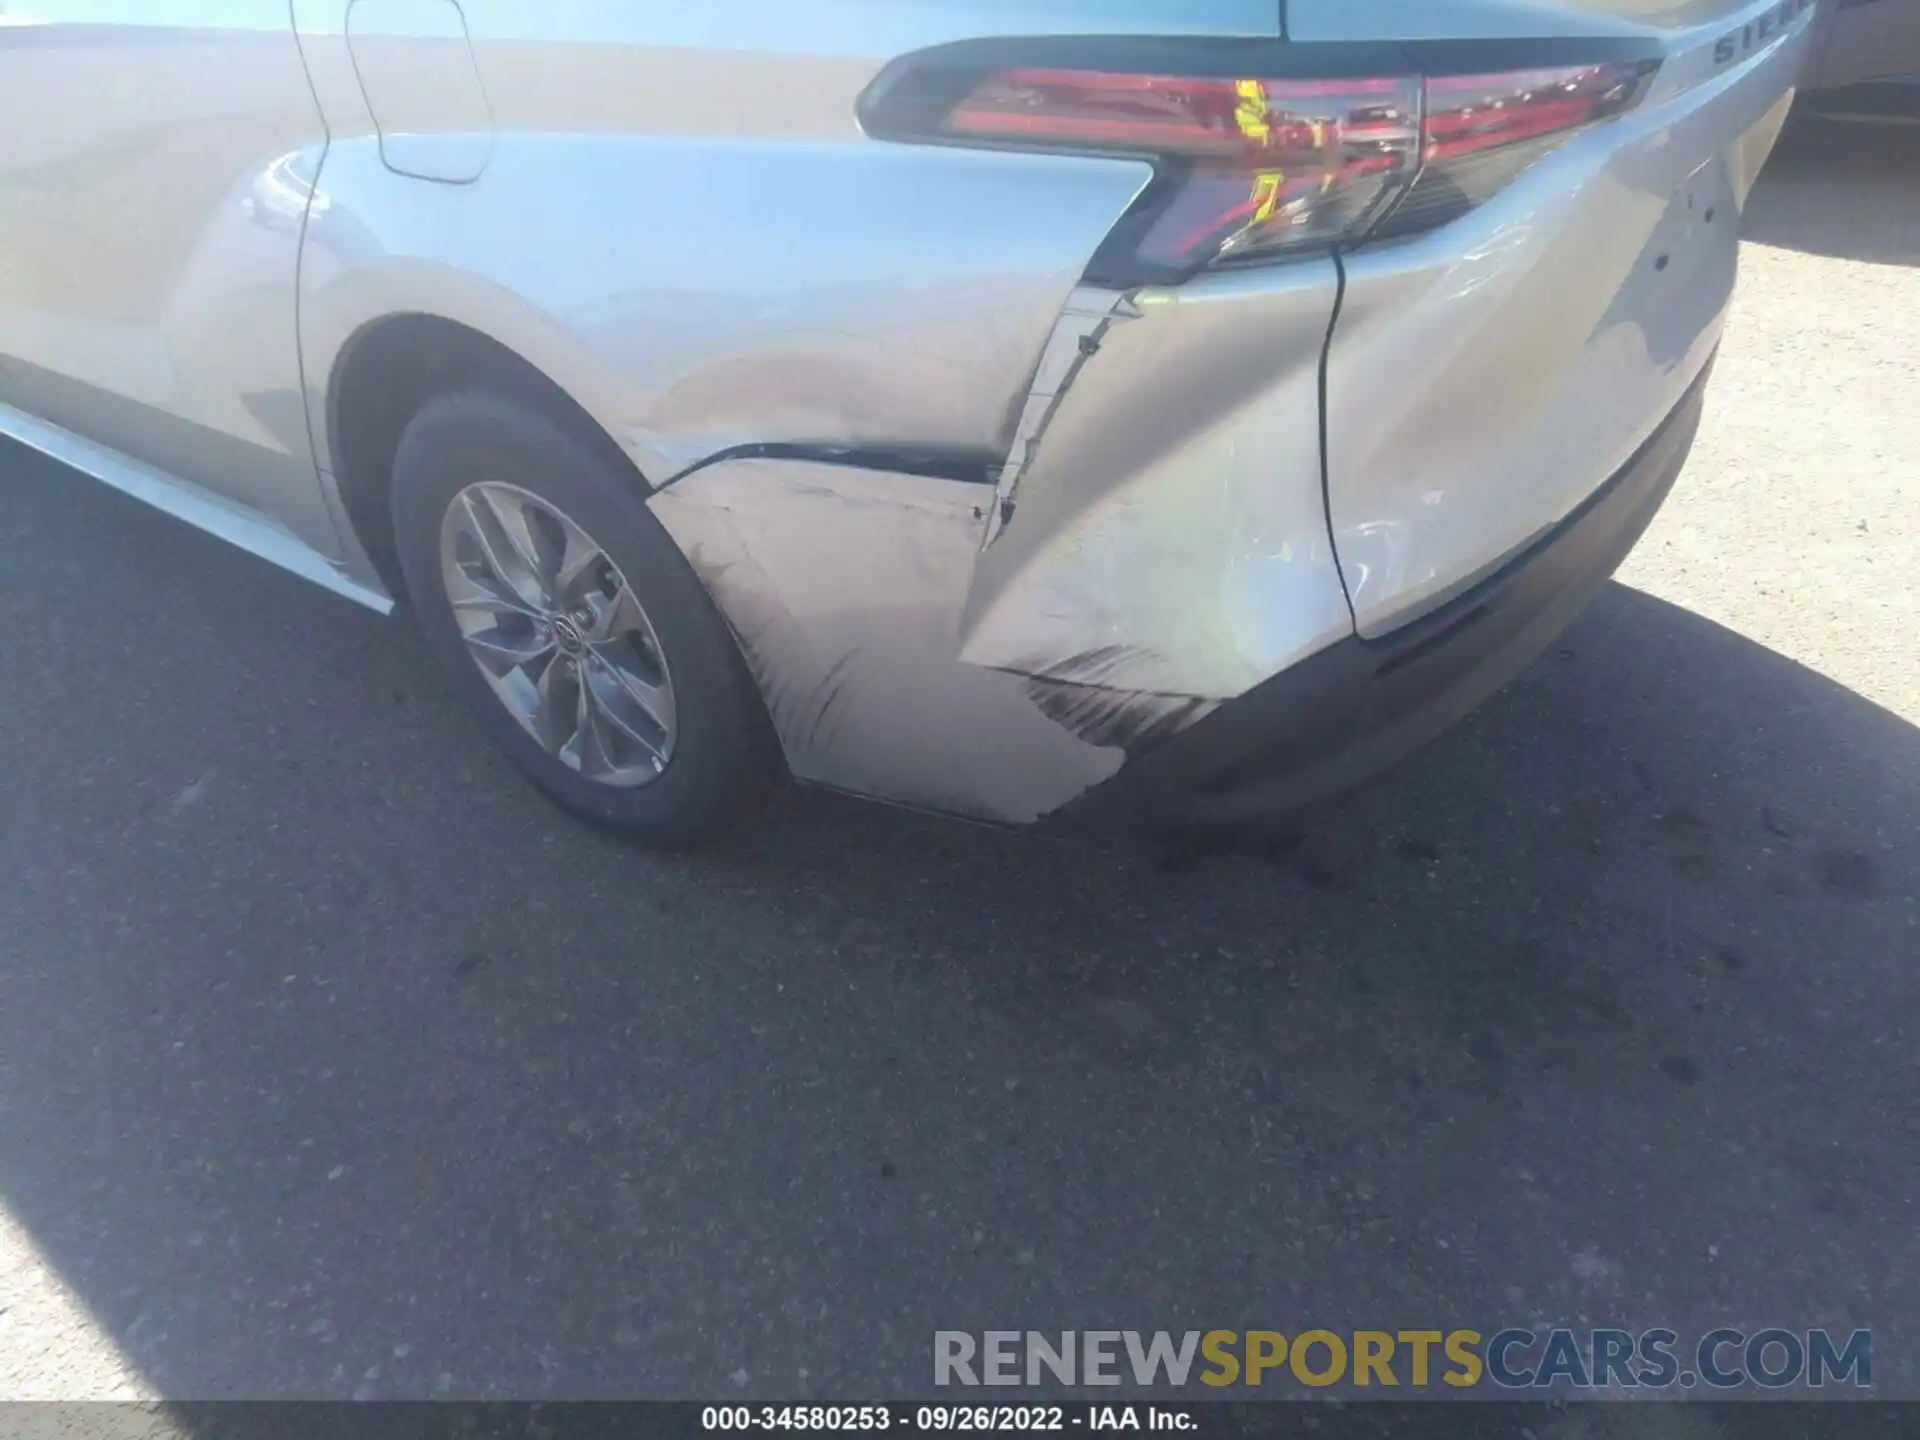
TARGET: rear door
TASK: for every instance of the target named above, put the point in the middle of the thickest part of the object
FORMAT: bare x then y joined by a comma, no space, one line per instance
156,159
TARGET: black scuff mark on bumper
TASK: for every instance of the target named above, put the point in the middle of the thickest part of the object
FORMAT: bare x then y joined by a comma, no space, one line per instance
831,690
1129,720
1071,693
1084,667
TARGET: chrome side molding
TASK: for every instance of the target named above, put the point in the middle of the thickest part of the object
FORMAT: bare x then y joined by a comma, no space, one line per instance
203,510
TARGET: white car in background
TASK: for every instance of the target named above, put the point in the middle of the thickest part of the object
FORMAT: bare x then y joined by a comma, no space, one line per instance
1865,63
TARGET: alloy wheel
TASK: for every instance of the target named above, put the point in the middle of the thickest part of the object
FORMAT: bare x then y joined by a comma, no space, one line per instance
559,634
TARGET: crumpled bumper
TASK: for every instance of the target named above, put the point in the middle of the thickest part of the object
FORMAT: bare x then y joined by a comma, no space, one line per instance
1350,711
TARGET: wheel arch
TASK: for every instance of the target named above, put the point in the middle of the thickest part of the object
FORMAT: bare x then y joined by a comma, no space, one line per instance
385,370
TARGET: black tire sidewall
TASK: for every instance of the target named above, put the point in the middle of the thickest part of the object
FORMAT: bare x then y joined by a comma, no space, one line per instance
723,755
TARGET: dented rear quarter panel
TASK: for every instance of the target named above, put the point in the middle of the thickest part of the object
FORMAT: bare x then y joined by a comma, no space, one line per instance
1169,532
681,223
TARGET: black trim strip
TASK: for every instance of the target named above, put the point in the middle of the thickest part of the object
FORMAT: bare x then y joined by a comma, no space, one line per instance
970,467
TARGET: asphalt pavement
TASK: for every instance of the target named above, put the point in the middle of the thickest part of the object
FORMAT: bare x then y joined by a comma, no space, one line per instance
333,1062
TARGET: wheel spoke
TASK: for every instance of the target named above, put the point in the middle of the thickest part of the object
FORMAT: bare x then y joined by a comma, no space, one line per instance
510,511
577,568
485,594
640,709
619,616
556,712
505,547
594,753
500,650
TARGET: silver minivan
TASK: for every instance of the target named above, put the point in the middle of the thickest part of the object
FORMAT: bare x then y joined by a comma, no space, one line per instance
1031,410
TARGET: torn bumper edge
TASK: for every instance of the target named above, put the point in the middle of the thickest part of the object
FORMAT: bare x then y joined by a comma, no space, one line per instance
1091,311
845,587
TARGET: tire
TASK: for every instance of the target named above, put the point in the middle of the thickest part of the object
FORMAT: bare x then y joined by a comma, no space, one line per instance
470,458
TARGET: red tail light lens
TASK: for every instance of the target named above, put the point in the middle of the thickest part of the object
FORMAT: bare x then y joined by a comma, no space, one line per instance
1253,168
1469,114
1270,164
1481,131
1243,120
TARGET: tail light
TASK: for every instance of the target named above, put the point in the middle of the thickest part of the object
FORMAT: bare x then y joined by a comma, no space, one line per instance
1251,168
1480,131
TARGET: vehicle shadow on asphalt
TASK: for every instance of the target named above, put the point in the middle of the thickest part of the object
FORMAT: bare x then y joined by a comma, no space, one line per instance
333,1061
1849,191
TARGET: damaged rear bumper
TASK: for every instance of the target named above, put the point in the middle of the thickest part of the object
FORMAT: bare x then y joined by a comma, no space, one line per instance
848,590
1167,549
1355,708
